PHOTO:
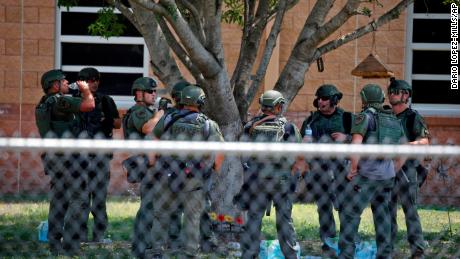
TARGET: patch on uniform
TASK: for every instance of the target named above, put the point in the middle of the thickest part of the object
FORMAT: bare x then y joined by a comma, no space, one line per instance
141,114
63,104
359,119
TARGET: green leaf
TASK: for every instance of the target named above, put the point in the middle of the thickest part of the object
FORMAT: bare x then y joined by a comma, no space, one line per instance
234,12
107,24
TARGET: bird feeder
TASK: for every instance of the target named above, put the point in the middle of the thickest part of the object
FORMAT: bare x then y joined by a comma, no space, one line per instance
372,67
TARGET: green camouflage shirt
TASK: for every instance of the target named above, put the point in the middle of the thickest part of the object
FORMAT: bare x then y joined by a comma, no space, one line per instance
135,119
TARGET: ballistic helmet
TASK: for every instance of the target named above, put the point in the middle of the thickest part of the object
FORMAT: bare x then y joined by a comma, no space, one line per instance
271,98
192,95
51,76
89,73
399,85
372,93
328,90
176,91
143,84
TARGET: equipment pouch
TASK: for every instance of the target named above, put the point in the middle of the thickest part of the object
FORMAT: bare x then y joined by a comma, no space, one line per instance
136,167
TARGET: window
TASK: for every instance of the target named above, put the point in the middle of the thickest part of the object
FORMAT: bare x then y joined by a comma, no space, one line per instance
120,60
428,58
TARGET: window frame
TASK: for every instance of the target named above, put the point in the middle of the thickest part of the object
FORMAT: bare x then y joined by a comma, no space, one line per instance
122,102
425,108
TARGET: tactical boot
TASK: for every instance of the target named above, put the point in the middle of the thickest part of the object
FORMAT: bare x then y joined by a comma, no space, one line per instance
418,254
328,252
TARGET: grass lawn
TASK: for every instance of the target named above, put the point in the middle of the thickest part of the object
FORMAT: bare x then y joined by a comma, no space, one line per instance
19,218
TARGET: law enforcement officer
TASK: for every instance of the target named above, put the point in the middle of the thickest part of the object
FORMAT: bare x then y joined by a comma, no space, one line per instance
180,179
371,179
58,115
407,180
268,181
138,123
207,243
98,123
328,124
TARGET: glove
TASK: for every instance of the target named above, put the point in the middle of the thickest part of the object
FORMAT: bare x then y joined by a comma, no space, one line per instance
164,104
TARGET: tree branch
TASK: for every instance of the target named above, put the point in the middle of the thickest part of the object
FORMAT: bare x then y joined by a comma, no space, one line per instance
385,18
195,16
338,20
204,60
125,11
268,51
178,50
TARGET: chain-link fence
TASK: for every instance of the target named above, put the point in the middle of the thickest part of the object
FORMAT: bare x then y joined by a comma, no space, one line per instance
150,198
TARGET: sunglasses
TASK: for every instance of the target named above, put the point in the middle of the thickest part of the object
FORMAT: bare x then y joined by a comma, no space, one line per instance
394,91
150,91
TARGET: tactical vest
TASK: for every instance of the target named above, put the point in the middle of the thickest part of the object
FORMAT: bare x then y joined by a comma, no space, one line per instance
50,121
129,130
322,126
187,125
383,127
408,122
92,120
270,129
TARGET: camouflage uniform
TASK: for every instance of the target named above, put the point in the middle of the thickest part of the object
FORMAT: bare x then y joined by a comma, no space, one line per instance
267,182
375,178
68,180
133,121
406,181
326,179
179,180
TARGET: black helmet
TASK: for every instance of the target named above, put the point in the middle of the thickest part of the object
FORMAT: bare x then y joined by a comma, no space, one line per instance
271,98
192,95
372,93
176,91
49,77
399,85
143,84
89,73
328,90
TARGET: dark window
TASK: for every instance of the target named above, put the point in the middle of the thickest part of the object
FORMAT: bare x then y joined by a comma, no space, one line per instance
102,54
98,3
435,92
431,6
431,62
111,83
431,30
73,23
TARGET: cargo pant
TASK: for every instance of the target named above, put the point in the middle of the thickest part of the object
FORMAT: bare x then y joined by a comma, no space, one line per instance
280,192
68,192
359,193
98,184
405,189
190,199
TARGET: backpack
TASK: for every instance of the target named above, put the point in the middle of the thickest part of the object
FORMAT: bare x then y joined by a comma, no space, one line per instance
268,129
43,113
